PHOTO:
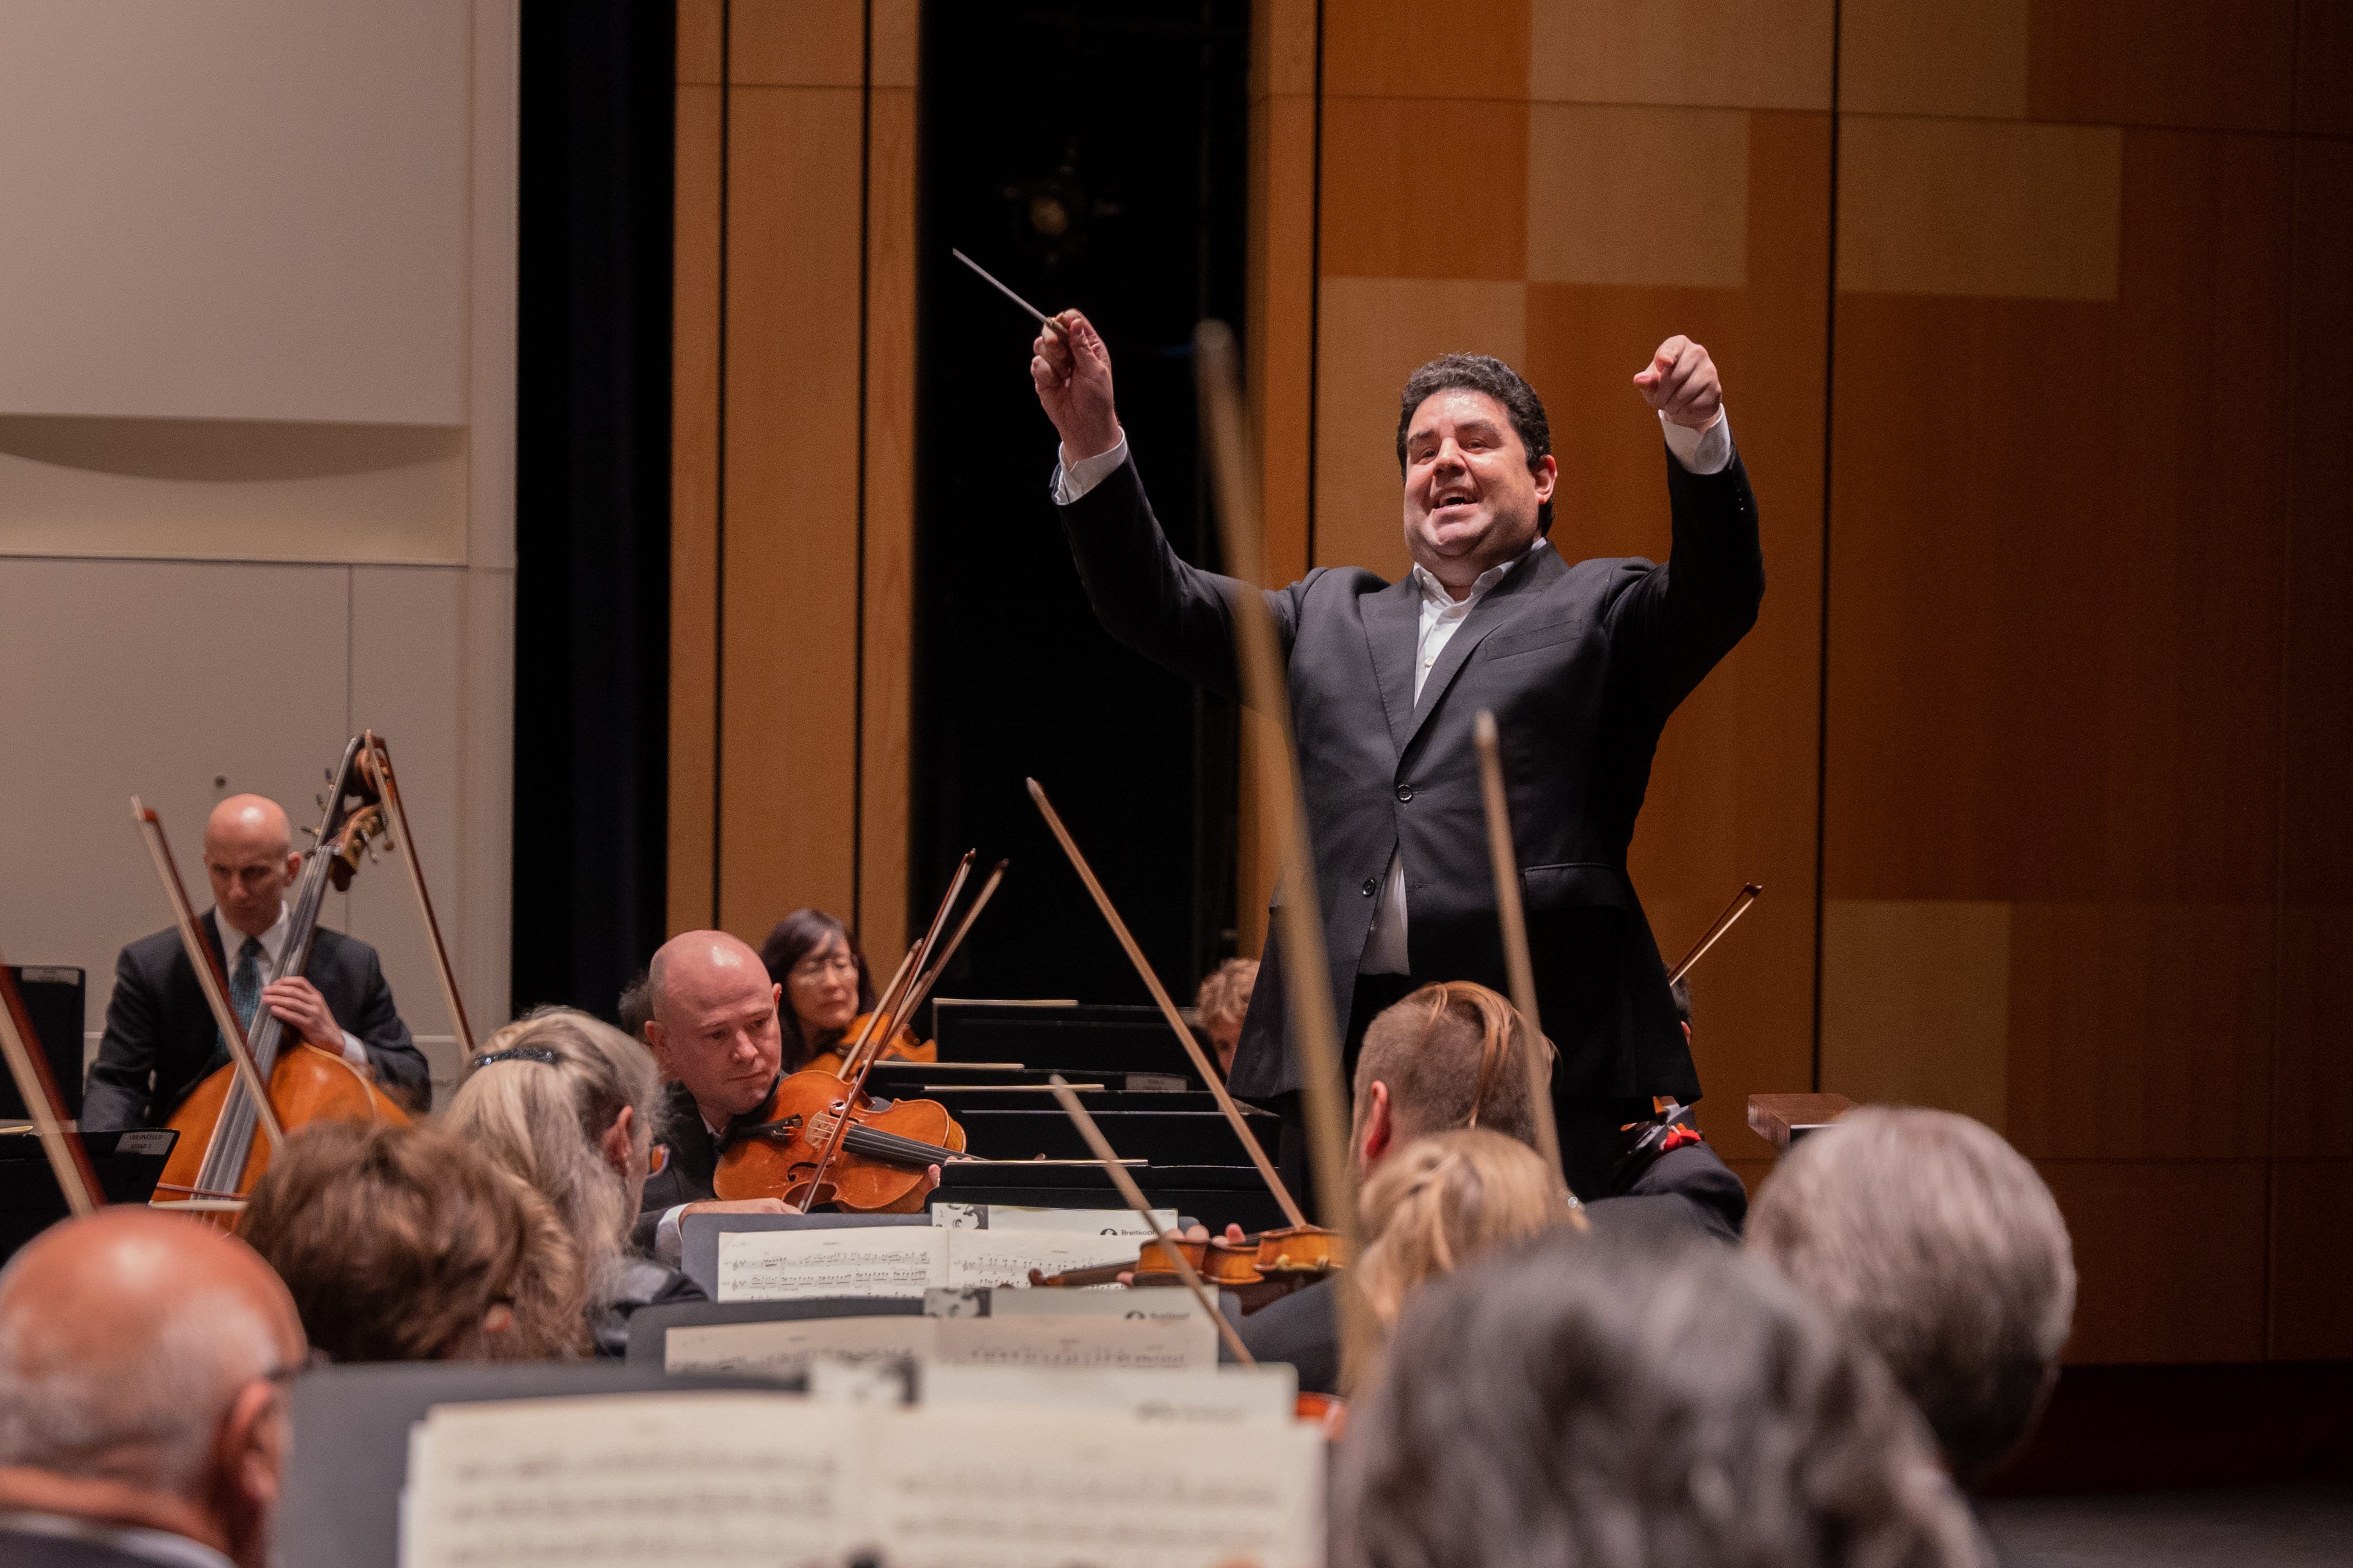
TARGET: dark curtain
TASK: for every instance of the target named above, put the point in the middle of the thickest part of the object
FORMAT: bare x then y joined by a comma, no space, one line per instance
591,497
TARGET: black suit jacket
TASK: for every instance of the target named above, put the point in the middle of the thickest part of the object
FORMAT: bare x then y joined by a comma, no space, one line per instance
686,1179
1581,665
161,1040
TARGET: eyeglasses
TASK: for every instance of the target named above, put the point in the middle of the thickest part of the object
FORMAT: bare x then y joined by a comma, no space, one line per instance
838,963
657,1158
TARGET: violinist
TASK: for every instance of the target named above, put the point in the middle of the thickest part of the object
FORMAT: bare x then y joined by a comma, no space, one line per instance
161,1040
823,980
1223,1002
719,1043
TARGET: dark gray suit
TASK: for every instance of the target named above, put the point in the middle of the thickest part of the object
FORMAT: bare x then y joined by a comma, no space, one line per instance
1581,665
161,1040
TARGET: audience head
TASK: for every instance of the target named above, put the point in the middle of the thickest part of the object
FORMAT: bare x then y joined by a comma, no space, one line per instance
1223,1002
569,1104
142,1364
635,1008
250,858
1926,1237
1446,1198
1448,1056
401,1243
715,1027
825,985
1588,1401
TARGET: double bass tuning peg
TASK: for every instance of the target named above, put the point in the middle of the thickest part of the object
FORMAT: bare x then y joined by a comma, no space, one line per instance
312,833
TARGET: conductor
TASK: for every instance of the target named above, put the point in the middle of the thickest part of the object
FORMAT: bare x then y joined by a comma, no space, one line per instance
1581,664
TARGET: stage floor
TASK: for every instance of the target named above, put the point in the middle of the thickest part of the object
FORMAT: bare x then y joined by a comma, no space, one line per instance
2249,1527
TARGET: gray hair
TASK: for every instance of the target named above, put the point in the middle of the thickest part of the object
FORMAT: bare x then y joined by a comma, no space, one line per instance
1596,1404
1927,1237
145,1420
543,1122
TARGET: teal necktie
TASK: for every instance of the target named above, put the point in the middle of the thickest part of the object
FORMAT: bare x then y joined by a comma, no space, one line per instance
245,985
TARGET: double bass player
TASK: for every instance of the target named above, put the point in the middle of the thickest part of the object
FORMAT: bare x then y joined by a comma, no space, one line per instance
1580,662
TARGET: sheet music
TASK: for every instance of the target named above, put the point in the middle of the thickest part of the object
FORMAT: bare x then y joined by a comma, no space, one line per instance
723,1479
1026,1216
998,1488
784,1349
994,1257
715,1479
856,1260
1174,1302
1268,1393
1079,1342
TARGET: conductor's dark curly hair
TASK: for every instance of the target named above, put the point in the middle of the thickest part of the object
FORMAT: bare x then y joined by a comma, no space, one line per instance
1585,1403
1483,372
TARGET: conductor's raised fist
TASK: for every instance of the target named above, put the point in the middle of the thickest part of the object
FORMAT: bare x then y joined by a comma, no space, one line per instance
1071,370
1680,383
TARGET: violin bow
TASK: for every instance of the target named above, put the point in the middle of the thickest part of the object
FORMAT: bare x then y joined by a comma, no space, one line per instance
1516,962
922,990
1323,1093
1714,934
866,1059
77,1177
889,1011
1210,1074
875,1014
1109,1157
375,764
209,970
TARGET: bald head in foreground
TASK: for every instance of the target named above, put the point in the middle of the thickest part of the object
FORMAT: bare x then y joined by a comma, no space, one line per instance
161,1038
143,1364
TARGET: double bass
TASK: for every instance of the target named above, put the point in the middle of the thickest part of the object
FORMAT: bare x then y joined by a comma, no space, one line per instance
217,1155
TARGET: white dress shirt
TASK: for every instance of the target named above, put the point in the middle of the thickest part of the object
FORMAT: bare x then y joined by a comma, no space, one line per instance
1703,451
273,942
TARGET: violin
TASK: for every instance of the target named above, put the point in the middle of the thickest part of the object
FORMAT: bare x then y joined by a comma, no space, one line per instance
822,1139
217,1156
1286,1258
901,1047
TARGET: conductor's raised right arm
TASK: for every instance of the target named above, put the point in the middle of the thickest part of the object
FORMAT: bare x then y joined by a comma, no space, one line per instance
1171,612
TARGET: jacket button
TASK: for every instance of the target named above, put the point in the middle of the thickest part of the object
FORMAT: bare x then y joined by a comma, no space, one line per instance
1405,791
1372,886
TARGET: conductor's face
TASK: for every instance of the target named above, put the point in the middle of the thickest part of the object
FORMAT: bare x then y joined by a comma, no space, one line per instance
1471,497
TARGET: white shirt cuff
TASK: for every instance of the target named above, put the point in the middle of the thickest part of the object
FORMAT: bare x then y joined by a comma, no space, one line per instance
356,1053
667,1245
1708,451
1077,479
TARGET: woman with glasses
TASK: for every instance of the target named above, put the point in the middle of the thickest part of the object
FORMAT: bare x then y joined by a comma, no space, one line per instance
570,1104
826,986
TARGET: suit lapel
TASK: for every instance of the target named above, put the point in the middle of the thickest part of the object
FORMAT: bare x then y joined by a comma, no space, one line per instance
211,923
1392,618
1502,601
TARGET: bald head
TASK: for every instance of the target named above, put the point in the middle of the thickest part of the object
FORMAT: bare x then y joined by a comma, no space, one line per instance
138,1353
249,856
715,1022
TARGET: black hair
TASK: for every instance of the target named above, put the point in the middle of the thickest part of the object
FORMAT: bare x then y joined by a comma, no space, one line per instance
796,936
1484,373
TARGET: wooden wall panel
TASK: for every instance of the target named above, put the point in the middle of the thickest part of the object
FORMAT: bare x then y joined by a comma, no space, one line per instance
793,533
1927,57
2310,1260
1386,47
2210,64
1725,54
2169,1257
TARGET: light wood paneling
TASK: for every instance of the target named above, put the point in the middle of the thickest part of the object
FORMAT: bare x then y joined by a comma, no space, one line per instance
2141,1029
694,484
2169,1257
1978,207
2311,1259
701,42
1915,1004
1390,48
886,690
1400,202
789,572
798,43
1726,54
2217,64
1928,57
1374,331
1638,195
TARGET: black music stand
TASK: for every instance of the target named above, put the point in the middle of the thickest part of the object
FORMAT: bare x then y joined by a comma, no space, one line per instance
128,1165
55,1001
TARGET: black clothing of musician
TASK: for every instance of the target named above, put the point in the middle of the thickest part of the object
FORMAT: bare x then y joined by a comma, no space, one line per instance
1581,663
161,1040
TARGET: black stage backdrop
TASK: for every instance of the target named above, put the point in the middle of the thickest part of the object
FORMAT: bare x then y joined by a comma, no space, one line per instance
591,497
1091,156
